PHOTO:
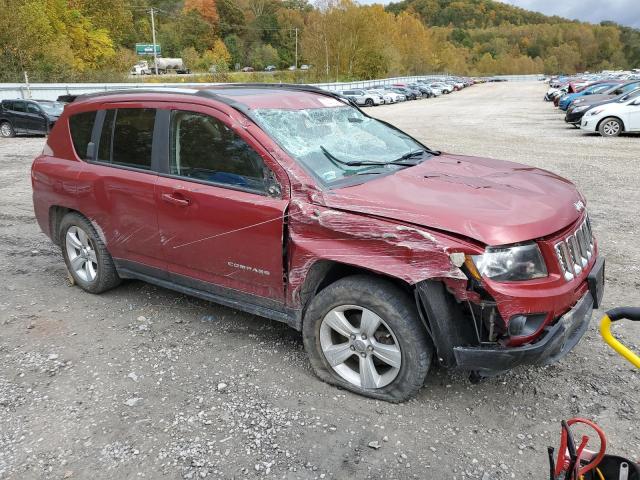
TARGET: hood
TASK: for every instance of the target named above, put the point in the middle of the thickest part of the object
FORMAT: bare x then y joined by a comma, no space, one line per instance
492,201
593,99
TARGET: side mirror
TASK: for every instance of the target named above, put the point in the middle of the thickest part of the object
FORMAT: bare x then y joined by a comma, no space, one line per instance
272,185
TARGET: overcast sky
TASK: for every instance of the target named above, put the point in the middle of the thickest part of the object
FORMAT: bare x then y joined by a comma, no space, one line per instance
625,12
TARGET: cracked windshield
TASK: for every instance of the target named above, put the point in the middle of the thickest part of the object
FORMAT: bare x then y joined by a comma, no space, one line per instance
338,142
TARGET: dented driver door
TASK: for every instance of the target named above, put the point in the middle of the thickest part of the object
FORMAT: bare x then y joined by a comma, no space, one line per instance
220,229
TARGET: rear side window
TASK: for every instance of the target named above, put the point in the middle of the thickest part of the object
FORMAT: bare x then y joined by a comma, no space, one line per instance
127,137
80,126
19,107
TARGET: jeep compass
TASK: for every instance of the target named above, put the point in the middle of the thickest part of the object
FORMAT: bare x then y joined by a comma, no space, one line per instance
291,203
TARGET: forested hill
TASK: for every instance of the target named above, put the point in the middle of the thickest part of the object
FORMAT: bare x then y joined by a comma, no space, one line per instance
471,13
94,40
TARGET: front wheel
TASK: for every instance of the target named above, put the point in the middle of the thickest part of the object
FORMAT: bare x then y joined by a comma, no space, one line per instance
610,127
363,334
369,102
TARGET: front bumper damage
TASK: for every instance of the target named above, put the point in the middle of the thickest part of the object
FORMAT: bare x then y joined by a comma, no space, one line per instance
458,348
557,340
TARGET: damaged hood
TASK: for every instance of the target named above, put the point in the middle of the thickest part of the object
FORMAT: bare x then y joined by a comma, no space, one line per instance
492,201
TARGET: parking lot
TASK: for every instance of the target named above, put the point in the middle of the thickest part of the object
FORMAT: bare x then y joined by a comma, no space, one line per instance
143,382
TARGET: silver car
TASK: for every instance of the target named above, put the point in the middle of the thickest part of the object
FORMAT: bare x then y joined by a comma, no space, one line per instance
362,97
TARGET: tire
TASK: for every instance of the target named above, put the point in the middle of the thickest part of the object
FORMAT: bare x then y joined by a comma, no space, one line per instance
92,268
610,127
6,130
369,102
399,338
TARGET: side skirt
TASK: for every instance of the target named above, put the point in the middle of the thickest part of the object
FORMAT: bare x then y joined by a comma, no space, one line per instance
245,302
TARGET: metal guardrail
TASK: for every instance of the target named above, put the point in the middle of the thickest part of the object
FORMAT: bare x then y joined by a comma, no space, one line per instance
51,91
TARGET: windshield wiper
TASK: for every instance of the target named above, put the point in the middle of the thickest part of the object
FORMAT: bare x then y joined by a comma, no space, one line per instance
398,161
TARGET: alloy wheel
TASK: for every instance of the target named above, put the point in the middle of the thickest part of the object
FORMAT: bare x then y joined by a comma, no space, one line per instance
360,346
5,130
82,254
611,128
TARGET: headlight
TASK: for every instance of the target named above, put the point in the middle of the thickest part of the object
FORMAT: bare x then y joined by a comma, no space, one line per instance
580,108
506,264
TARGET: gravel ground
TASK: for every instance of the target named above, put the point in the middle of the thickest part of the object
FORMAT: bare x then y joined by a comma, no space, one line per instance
143,382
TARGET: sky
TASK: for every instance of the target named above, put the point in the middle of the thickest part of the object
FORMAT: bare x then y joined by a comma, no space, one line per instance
624,12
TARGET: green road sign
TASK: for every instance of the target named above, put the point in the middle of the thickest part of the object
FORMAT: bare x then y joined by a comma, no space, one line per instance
146,49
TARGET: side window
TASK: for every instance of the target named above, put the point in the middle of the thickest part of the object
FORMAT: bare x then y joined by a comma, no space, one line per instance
18,107
204,148
80,126
33,108
127,137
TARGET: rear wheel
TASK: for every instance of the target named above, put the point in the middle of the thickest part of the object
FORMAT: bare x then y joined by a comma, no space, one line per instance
6,130
610,127
86,256
363,334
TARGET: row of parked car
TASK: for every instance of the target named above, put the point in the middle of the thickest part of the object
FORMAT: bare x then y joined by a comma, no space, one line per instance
607,103
401,92
37,117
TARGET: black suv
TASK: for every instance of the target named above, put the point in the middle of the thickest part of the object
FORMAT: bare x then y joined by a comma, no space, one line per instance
28,116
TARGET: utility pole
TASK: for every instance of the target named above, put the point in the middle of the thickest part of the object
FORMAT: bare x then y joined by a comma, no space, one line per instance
296,48
153,33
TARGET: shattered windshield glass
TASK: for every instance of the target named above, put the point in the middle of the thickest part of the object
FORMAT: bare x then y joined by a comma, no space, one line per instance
338,142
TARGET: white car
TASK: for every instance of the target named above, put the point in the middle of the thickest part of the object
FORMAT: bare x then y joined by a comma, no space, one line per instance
361,97
386,96
397,97
611,119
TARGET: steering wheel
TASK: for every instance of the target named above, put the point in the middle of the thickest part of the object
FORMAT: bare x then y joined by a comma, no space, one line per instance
568,446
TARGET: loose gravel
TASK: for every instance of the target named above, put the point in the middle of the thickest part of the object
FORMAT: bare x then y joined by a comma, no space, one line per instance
142,382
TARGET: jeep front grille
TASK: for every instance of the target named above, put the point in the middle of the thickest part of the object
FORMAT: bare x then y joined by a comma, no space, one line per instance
575,251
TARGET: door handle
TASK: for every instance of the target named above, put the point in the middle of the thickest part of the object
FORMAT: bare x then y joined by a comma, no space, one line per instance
175,200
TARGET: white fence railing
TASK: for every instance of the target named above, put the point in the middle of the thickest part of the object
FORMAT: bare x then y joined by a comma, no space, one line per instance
51,91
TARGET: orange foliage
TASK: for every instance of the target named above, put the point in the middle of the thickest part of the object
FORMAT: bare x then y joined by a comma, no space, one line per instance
206,8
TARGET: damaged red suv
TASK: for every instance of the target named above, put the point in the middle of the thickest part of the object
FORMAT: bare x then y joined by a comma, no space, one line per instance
290,203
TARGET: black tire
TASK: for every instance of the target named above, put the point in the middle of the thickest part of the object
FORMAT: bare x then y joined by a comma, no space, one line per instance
398,311
369,102
6,130
610,127
106,274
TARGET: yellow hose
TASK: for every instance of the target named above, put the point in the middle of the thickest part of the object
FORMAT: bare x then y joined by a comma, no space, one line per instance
605,331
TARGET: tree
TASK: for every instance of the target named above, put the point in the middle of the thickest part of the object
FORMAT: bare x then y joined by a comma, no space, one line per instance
206,8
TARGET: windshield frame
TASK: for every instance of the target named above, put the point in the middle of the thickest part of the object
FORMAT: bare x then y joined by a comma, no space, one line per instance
350,180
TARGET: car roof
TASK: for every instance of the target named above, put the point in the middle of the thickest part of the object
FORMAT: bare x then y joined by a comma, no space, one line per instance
240,96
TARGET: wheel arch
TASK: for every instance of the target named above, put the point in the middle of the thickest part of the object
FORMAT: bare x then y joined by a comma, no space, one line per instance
624,129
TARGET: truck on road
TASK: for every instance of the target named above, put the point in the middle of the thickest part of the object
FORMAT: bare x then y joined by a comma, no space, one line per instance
164,65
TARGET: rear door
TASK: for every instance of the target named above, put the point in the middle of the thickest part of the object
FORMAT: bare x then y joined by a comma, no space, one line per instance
19,116
633,115
120,186
221,230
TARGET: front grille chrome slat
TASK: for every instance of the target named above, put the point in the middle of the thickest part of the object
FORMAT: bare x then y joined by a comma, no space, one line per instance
576,250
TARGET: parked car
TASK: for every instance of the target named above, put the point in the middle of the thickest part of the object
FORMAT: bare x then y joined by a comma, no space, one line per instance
270,68
305,67
395,94
599,87
423,89
443,87
408,93
608,94
28,116
247,69
387,98
362,97
576,112
612,119
289,203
